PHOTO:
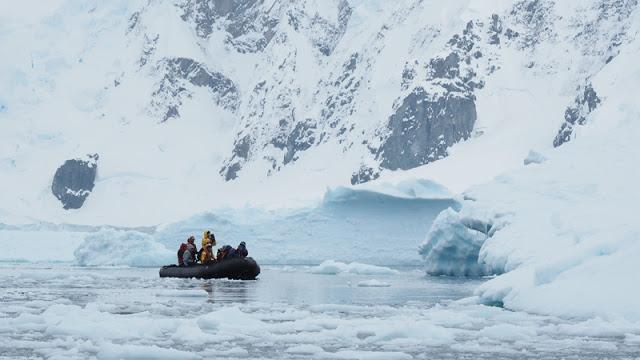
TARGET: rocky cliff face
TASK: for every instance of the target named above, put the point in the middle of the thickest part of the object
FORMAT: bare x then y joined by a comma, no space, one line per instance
311,68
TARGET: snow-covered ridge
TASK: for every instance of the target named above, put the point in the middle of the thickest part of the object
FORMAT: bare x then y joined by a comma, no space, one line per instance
215,99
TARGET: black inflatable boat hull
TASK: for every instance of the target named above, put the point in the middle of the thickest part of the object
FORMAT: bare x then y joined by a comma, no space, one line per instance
237,269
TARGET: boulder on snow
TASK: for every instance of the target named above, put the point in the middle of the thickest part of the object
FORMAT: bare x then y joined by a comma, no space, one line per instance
74,181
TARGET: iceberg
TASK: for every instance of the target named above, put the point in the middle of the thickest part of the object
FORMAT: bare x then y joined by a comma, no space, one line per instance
332,267
109,247
452,246
563,234
349,225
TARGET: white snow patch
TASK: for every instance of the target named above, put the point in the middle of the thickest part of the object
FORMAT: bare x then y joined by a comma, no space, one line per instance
332,267
373,283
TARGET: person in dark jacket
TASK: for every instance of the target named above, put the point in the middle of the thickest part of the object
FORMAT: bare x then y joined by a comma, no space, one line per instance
226,252
181,251
242,250
189,256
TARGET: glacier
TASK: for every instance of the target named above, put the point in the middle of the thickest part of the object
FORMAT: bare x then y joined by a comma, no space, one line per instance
562,233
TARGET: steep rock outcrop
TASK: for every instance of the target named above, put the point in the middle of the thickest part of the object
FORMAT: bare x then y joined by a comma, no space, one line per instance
249,25
576,114
182,73
437,113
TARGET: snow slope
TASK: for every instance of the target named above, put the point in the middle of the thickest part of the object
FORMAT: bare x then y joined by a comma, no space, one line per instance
194,107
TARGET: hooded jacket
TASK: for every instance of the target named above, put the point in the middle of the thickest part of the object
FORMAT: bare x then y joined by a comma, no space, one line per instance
189,256
205,238
206,256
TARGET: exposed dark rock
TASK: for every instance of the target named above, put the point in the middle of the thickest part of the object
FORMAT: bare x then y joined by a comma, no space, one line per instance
364,175
447,68
231,172
179,74
133,21
74,181
602,35
241,151
327,35
408,75
424,125
510,34
148,48
422,128
300,139
495,29
346,85
576,114
238,18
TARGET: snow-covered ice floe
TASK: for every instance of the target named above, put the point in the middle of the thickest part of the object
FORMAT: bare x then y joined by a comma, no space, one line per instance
373,283
80,313
332,267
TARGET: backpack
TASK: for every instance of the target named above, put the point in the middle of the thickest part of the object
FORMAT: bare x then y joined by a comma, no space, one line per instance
183,248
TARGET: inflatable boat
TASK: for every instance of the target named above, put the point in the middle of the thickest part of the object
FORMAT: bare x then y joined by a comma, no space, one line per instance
236,269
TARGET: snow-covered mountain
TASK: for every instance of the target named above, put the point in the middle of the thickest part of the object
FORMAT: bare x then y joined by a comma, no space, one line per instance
191,105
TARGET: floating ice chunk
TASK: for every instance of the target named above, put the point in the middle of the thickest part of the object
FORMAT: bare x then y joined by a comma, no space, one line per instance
453,244
116,352
182,293
236,352
508,332
368,355
306,349
632,339
373,283
332,267
230,319
119,247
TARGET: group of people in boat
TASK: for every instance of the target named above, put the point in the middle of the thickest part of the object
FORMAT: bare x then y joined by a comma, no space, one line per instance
188,254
